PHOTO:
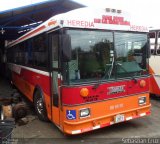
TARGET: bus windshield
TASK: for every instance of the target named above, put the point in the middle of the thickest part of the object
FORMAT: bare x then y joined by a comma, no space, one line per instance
105,55
131,54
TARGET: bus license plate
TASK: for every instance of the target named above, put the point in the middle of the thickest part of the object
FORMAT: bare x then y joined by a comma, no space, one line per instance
119,118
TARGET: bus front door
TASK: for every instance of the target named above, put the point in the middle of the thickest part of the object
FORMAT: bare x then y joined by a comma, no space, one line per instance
55,99
53,42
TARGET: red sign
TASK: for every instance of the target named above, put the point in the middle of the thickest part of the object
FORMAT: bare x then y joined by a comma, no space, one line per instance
106,19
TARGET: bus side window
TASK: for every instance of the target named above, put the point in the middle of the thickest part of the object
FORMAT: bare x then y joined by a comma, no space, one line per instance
29,49
158,51
152,51
158,47
152,36
40,51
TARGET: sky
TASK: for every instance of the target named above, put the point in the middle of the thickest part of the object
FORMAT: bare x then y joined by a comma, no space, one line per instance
146,11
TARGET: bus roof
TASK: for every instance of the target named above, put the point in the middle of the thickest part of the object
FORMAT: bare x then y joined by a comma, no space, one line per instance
89,18
154,29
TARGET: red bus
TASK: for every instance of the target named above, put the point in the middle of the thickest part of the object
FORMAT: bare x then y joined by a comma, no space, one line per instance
84,69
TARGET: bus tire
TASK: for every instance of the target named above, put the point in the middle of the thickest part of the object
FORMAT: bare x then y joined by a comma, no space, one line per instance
40,106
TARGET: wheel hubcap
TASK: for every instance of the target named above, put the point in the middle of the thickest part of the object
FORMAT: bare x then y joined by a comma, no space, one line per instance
40,105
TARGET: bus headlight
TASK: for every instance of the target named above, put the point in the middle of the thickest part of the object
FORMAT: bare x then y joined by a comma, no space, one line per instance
142,100
84,112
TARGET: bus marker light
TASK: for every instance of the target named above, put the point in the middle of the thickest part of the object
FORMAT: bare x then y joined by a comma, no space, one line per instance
113,10
119,11
108,9
142,83
84,92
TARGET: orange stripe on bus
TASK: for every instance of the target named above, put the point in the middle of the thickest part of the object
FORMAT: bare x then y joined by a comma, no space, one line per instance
33,32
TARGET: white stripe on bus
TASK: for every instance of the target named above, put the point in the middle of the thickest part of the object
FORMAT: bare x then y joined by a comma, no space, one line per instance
96,127
142,114
76,131
32,69
129,118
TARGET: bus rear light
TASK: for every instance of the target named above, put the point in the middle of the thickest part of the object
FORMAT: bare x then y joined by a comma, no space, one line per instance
84,92
142,83
142,100
84,112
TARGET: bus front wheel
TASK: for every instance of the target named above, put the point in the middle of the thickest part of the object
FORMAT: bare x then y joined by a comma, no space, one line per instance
40,106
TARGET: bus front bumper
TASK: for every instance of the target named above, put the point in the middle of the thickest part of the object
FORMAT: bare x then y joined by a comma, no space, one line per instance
101,122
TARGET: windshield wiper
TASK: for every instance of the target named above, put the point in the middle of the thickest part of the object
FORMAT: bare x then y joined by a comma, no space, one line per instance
96,85
133,78
109,72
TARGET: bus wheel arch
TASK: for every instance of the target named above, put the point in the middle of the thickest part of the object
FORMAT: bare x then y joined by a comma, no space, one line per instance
39,104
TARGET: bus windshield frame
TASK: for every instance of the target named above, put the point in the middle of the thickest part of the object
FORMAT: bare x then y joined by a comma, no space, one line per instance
102,55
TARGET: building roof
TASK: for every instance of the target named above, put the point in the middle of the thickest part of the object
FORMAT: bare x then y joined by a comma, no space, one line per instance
16,22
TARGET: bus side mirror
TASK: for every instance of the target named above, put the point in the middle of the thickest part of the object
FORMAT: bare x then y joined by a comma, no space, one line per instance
66,47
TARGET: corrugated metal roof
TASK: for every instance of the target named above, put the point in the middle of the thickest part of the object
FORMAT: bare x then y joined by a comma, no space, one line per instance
16,20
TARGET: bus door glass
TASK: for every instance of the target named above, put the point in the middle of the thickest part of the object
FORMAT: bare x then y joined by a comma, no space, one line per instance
54,44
